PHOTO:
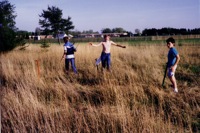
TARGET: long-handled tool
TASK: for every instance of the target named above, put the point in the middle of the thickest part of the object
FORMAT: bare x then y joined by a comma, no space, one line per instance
62,57
164,76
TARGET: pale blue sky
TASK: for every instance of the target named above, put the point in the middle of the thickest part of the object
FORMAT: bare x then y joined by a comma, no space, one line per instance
127,14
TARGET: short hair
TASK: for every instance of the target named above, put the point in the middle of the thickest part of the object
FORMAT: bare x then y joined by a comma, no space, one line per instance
105,36
65,38
171,39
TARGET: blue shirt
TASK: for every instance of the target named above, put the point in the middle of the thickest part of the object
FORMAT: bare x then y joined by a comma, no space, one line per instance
69,47
172,57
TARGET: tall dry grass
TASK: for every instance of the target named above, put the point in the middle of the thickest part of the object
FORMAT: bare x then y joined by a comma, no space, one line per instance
128,99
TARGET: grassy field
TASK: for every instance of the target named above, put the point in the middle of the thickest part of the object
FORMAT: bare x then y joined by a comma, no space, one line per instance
37,95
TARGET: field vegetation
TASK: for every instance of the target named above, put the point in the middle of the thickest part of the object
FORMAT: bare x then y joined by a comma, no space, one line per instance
38,96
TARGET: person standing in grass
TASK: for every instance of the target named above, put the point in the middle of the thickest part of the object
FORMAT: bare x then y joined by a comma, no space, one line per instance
173,60
105,55
69,50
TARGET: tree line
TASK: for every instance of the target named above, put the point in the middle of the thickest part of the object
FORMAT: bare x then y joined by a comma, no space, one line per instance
145,32
170,31
52,23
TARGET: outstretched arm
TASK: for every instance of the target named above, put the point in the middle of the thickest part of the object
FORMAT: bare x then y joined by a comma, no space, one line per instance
121,46
96,45
118,45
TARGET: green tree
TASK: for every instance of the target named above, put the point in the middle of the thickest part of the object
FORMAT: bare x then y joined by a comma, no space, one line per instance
106,30
137,31
37,31
118,30
8,39
53,22
67,25
7,16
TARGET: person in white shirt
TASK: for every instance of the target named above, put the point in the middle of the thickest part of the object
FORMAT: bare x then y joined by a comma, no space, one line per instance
69,50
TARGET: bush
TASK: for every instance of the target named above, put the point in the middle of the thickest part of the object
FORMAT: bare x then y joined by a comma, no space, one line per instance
8,39
44,44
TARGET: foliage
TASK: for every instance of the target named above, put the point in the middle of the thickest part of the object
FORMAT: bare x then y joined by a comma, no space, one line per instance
8,39
53,22
44,44
37,31
137,31
106,30
114,30
7,16
170,31
118,30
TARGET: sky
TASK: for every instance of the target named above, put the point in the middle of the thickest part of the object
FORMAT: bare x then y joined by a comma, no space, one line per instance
99,14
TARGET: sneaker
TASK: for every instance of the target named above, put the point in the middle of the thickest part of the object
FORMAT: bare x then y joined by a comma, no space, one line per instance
176,90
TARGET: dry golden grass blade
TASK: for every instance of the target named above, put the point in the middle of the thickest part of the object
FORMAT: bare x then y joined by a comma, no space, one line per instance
130,98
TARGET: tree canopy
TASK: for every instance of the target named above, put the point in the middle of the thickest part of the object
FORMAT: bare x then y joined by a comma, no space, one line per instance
52,22
7,16
170,31
114,30
8,39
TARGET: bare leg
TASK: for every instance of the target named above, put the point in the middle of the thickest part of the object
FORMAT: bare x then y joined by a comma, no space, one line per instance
173,80
171,75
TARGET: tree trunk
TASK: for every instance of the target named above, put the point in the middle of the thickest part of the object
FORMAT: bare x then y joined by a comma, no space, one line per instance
58,39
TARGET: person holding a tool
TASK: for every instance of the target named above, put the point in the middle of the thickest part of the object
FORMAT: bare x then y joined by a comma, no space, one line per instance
68,54
173,59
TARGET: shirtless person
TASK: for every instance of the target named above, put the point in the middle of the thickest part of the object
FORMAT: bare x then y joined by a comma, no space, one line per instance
105,55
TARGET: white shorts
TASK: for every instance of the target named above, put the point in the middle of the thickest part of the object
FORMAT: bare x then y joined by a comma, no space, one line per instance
170,73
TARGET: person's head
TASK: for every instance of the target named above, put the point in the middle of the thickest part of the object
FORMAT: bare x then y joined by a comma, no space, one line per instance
66,38
106,37
170,42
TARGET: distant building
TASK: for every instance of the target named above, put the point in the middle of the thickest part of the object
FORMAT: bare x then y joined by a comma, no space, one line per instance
96,35
89,35
48,36
37,38
41,37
